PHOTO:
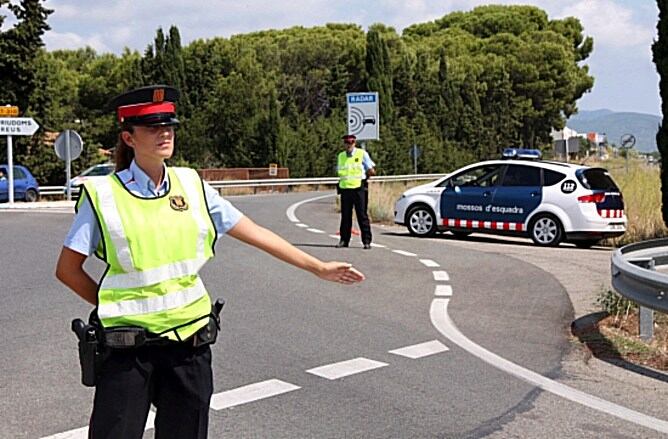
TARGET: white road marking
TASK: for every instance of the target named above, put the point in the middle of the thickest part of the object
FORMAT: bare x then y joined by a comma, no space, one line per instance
345,368
303,226
79,433
82,433
441,276
250,393
315,230
429,263
378,245
334,236
443,290
404,253
421,350
291,210
442,322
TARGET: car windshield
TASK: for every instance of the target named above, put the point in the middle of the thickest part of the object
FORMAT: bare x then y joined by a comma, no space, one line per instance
97,171
597,179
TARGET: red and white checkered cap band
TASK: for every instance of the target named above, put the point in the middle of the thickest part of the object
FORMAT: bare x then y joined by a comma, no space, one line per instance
611,213
490,225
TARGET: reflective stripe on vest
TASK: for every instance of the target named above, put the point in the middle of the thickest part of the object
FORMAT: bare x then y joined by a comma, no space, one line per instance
153,304
154,247
350,169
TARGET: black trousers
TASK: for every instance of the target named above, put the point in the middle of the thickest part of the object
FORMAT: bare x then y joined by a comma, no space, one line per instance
358,199
177,379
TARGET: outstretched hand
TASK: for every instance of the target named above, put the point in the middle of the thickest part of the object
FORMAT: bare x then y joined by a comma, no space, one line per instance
341,272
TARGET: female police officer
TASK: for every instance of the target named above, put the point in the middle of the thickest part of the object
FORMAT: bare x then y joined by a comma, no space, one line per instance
155,226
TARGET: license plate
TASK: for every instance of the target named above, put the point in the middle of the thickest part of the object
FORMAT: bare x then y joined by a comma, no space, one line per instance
616,226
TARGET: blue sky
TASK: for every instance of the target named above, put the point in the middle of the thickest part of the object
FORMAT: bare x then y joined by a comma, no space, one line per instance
623,30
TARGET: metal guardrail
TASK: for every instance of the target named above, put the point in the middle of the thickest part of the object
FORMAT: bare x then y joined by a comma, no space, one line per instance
635,276
60,190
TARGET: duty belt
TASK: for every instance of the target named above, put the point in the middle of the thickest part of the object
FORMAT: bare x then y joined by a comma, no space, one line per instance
127,337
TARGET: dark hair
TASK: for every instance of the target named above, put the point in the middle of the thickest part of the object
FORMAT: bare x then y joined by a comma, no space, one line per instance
123,154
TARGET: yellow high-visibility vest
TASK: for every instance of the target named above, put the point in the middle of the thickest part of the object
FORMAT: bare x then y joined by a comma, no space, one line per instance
350,169
155,248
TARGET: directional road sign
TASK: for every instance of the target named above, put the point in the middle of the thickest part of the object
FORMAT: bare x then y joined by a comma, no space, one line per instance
363,117
17,126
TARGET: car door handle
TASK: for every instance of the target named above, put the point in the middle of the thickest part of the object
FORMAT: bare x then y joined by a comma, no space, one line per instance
486,194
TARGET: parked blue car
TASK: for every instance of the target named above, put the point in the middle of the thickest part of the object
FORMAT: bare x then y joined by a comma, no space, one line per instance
25,185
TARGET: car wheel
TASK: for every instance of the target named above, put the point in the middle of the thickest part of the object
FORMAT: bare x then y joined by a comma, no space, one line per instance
31,196
421,221
546,230
586,243
459,234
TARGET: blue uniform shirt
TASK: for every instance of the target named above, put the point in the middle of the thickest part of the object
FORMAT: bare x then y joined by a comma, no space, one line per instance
84,235
367,163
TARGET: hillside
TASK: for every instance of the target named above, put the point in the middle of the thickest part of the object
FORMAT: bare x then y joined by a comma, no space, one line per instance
615,124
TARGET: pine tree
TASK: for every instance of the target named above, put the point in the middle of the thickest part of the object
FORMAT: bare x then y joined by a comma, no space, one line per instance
660,55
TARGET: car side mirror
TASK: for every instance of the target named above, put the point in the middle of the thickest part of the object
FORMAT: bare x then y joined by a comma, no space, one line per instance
458,190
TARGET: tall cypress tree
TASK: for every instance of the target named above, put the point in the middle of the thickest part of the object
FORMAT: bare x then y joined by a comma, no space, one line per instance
660,55
379,73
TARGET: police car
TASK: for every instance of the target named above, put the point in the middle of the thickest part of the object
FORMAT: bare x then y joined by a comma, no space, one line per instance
548,201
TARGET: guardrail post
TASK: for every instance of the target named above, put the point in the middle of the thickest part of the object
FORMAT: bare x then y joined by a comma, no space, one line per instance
646,315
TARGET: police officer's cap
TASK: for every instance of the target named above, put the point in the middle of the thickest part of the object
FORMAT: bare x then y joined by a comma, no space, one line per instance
154,105
349,138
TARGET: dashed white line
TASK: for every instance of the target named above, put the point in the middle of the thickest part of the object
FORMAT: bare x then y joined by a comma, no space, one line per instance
250,393
441,276
315,230
301,225
345,368
429,263
404,253
421,350
378,245
334,236
82,433
443,290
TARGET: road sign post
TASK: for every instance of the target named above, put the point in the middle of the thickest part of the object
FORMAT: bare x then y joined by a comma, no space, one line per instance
14,126
68,146
626,142
414,152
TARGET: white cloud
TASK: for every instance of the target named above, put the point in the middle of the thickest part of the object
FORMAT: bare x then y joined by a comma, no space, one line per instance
610,24
69,40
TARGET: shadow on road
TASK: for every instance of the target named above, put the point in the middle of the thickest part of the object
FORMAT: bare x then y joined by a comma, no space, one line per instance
489,239
586,330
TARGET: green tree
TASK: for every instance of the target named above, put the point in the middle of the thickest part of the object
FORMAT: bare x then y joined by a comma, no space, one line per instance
379,73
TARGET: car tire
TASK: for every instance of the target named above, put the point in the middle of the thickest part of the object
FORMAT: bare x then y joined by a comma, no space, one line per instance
30,196
421,221
460,234
586,243
546,230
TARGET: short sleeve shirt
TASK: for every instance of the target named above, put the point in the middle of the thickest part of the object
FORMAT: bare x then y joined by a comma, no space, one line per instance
84,235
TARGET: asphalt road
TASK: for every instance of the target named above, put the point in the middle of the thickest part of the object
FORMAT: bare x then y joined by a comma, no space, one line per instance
283,329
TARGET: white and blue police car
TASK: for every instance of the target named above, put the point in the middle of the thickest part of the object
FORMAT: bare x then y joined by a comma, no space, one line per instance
549,201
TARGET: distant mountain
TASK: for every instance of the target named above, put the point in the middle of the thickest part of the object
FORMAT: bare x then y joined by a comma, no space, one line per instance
616,124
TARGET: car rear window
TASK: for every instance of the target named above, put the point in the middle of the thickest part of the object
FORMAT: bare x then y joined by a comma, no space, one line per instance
597,179
550,178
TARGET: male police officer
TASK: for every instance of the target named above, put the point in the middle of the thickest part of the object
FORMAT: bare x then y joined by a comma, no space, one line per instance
354,166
